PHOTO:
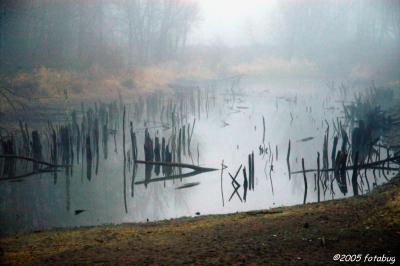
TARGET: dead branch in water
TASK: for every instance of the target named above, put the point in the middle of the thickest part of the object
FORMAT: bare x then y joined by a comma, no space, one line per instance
182,165
9,156
19,177
350,167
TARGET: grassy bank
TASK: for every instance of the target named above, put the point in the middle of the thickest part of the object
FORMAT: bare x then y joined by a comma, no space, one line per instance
305,234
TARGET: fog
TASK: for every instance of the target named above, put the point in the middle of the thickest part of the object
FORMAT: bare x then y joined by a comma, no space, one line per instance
344,39
235,23
335,40
128,111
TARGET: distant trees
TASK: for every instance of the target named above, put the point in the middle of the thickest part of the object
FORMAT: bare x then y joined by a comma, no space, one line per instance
314,28
156,30
80,33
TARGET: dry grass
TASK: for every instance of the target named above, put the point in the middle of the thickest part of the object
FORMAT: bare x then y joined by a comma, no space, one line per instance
277,68
96,82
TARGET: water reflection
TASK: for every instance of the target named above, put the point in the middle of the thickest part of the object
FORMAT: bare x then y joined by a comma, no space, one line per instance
175,163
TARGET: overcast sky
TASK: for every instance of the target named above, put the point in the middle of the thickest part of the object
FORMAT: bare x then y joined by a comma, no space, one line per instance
234,22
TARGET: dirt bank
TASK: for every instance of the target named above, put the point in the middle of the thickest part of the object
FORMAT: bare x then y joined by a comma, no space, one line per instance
308,234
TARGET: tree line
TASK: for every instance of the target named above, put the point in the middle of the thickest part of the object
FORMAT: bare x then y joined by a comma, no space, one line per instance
313,28
81,33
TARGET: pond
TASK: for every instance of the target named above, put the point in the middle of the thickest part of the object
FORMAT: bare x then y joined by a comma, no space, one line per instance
221,125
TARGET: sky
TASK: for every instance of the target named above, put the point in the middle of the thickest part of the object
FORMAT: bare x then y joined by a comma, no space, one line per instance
233,22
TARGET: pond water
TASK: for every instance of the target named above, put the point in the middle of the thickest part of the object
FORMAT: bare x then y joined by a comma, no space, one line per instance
228,127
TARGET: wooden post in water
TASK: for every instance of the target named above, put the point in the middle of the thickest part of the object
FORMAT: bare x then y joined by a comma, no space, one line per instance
78,142
96,142
25,138
88,149
355,174
123,134
163,155
287,159
191,133
179,144
133,142
54,146
305,181
245,184
252,170
105,140
8,147
318,176
250,180
123,149
157,149
88,158
333,154
36,148
183,141
263,129
36,145
148,146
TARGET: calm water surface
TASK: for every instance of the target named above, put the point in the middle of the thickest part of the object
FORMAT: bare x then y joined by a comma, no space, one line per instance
228,128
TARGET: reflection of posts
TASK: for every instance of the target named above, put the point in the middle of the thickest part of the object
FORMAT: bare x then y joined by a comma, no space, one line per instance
244,184
133,142
148,170
105,139
251,171
36,148
133,179
340,171
88,159
54,146
9,163
305,181
89,170
68,191
157,155
318,177
184,139
148,147
288,159
250,180
163,149
235,184
157,169
355,174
